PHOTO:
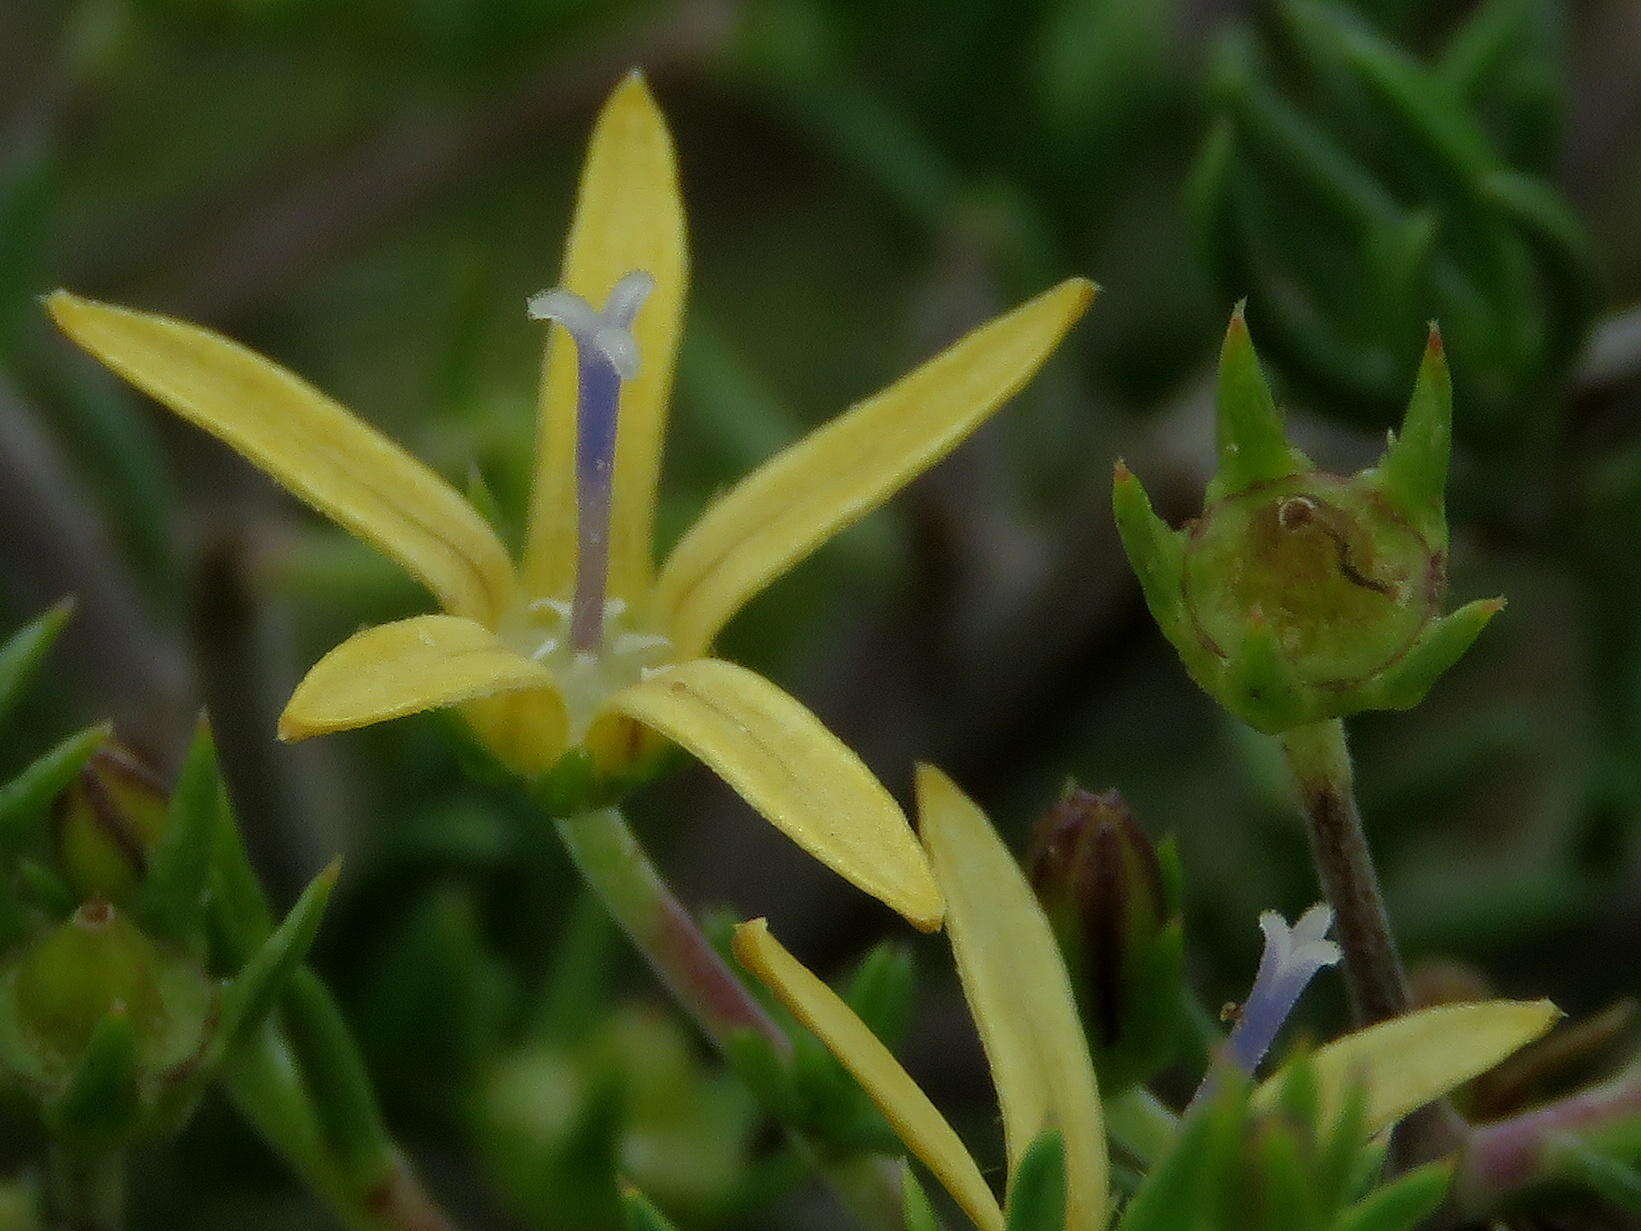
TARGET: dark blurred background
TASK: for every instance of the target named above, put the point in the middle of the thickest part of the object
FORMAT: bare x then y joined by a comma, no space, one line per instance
367,191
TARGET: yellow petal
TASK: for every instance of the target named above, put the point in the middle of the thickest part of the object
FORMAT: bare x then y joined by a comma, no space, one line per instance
311,445
409,666
1018,991
914,1118
840,472
629,215
1411,1060
794,771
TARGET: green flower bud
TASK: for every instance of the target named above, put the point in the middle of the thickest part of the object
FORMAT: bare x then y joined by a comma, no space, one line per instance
100,1023
107,823
1113,902
1299,595
95,964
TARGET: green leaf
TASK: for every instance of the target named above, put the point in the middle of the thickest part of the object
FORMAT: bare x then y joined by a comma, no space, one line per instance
240,918
1037,1189
100,1105
252,992
918,1214
1400,1206
336,1080
1173,1192
882,992
26,799
171,901
641,1214
23,651
1612,1179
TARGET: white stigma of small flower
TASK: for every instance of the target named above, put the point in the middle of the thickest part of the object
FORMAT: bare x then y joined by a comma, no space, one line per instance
607,355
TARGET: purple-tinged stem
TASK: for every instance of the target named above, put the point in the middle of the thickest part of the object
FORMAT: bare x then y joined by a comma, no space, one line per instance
1320,763
608,855
1512,1156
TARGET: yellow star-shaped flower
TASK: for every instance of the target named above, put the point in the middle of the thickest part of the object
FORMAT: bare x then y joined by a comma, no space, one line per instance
584,659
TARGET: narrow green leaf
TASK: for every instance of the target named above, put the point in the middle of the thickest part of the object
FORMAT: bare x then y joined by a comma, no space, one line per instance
882,992
1612,1179
1400,1206
641,1214
253,991
918,1213
23,651
1173,1191
26,799
1037,1189
241,920
171,901
337,1081
100,1104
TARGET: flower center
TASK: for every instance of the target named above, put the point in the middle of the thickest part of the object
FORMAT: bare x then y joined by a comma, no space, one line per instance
543,629
606,355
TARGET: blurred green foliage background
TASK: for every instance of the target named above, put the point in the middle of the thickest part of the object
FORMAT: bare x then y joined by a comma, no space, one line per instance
368,191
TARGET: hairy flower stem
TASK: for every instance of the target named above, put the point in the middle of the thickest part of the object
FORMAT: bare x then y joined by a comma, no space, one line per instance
615,866
1320,764
84,1191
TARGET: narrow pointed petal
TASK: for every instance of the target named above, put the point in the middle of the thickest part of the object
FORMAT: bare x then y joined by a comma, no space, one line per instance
1017,989
308,443
842,471
629,216
1252,446
795,772
1409,1061
423,663
1413,474
914,1118
1441,645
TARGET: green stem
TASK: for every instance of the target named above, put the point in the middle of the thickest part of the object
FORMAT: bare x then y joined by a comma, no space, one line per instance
615,866
1320,762
84,1191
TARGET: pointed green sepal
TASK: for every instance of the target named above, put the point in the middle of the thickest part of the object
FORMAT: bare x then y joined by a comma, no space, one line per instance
1260,684
1156,552
269,971
26,799
1413,475
1252,447
1438,648
100,1106
917,1211
23,651
1037,1189
171,901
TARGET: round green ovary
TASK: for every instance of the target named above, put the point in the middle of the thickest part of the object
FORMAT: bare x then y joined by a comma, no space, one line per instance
1345,584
